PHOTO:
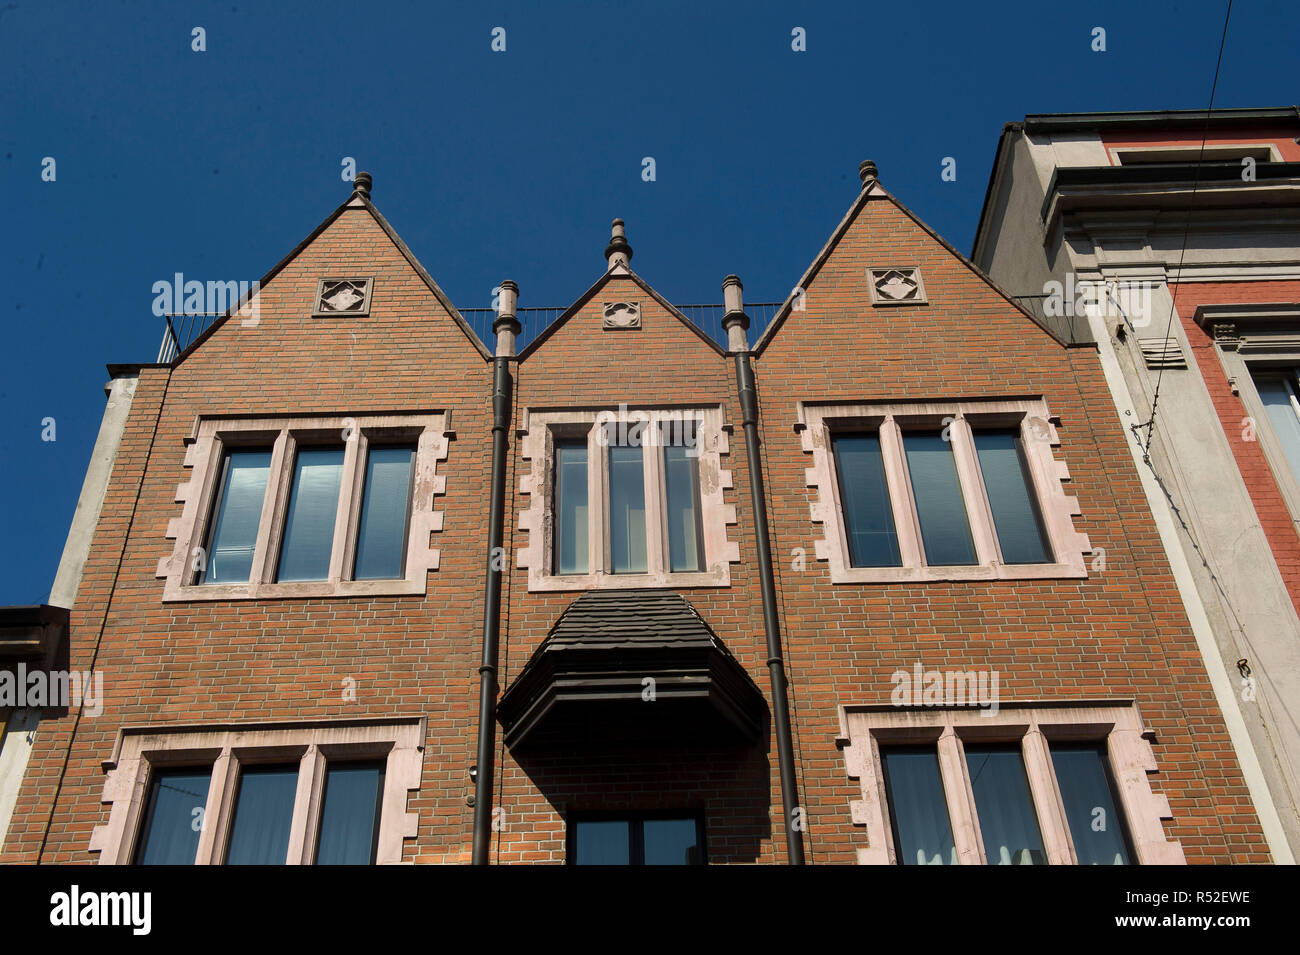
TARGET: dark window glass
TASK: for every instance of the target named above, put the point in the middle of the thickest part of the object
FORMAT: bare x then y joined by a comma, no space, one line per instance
671,841
945,533
864,494
349,824
259,833
626,510
1087,790
235,515
385,507
1011,496
571,506
682,490
313,508
637,840
604,842
1006,811
918,810
173,818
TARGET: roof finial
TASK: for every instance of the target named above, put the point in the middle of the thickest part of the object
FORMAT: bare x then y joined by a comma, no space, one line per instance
867,172
618,252
361,185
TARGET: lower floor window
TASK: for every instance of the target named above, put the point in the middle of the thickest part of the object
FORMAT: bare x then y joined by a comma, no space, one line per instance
1029,786
643,839
327,794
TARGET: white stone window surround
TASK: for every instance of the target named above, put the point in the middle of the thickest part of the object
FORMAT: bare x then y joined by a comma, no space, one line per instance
228,746
541,427
1034,725
817,422
1268,340
211,437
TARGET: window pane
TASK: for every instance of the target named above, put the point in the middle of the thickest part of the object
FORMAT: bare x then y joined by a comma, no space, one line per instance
1011,497
672,842
603,843
626,510
681,481
1276,395
1006,811
349,821
313,508
169,834
259,834
571,507
381,534
236,516
864,493
944,531
1081,775
917,808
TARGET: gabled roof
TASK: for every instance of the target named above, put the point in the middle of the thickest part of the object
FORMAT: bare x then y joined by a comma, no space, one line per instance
356,201
618,271
875,192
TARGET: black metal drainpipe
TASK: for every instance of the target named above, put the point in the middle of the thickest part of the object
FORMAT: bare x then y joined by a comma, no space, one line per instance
775,661
487,692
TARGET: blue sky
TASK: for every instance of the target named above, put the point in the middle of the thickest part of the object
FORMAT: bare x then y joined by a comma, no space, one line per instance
495,165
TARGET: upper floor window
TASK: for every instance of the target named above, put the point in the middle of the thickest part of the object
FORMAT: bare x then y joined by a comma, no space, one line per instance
626,499
328,794
1023,785
963,490
307,507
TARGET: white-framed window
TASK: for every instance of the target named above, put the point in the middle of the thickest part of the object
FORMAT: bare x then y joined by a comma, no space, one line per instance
1258,346
270,794
626,498
962,490
1058,784
307,507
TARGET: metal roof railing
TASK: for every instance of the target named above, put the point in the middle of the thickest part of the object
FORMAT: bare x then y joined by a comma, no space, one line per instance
183,330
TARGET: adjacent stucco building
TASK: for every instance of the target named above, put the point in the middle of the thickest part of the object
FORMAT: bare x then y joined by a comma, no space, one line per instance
1171,240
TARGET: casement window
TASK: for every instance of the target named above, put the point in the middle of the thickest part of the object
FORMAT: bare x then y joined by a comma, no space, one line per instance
660,838
966,490
307,507
626,499
1025,785
323,794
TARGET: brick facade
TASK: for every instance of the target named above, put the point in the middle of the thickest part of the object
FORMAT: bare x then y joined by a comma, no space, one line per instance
1119,634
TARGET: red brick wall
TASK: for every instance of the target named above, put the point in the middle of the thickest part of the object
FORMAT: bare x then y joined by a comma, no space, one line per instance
1120,633
1274,517
284,659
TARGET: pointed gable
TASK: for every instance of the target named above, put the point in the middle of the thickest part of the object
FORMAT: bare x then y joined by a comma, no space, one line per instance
354,242
880,240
